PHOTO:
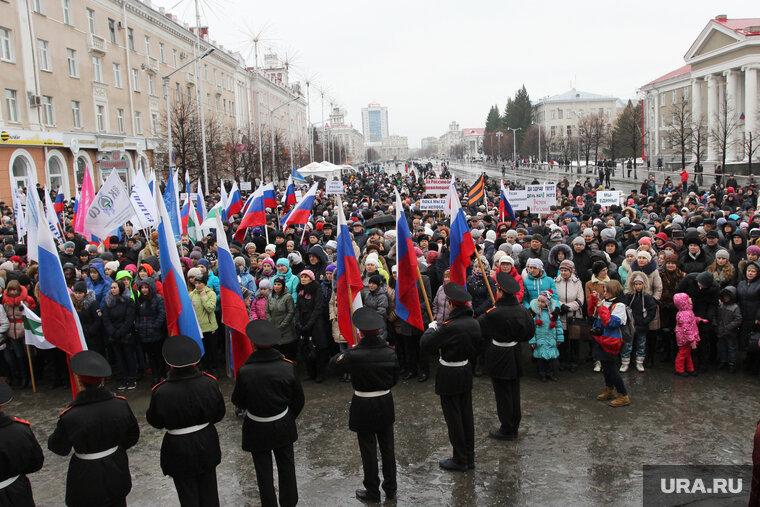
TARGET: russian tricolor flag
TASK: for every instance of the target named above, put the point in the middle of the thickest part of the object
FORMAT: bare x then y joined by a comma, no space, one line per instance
505,209
349,278
180,315
270,199
289,199
200,204
461,244
255,215
234,313
59,203
235,200
302,212
407,298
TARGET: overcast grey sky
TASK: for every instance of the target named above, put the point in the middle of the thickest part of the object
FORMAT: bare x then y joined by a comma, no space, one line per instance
431,62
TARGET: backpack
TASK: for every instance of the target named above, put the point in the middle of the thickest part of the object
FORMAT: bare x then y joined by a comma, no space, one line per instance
628,330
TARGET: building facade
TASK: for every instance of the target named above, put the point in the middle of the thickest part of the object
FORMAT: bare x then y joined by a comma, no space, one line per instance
83,81
343,135
473,141
452,139
715,95
374,123
394,148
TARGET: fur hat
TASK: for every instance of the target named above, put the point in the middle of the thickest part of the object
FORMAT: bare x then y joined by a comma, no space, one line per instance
597,267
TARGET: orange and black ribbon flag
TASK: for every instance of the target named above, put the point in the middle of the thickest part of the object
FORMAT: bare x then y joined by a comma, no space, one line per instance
477,190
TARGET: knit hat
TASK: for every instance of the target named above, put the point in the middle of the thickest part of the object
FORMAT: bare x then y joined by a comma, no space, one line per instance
148,268
511,233
270,248
332,244
331,268
645,254
535,263
506,247
113,266
722,254
267,261
608,233
376,279
516,249
753,249
372,259
431,257
265,284
507,260
476,233
579,241
295,257
587,232
80,286
597,267
645,241
193,272
705,279
546,296
491,236
307,272
630,251
195,254
567,264
69,244
536,237
204,262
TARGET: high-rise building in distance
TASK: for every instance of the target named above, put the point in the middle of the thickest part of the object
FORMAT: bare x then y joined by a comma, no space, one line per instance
374,123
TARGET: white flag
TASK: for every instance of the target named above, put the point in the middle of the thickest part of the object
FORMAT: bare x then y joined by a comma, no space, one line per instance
33,330
18,211
110,209
52,218
33,205
143,202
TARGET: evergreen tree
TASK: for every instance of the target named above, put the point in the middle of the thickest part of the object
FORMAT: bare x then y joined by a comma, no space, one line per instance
518,113
493,121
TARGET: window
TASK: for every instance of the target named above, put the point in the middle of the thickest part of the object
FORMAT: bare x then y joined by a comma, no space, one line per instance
580,113
138,123
217,104
135,80
44,55
177,94
66,6
100,117
554,131
686,93
55,173
91,20
161,52
97,69
224,105
205,71
6,45
554,114
37,6
559,113
112,30
117,75
11,105
174,56
71,57
76,114
208,101
154,123
147,45
120,120
151,84
569,131
131,39
48,113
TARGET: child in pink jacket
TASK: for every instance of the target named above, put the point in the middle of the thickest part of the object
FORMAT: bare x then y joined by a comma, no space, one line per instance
259,303
687,334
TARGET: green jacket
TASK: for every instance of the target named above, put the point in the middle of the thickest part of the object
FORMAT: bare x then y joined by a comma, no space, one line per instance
280,311
204,306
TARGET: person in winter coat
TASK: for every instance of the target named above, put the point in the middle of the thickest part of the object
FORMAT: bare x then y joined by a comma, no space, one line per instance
570,295
476,286
373,265
599,278
722,270
557,254
440,303
146,270
291,280
151,326
535,281
506,264
266,271
310,326
729,323
375,296
317,262
280,311
748,297
204,304
97,281
119,324
609,316
703,291
244,277
671,277
547,335
644,309
15,352
581,258
212,282
625,267
687,334
693,259
89,313
260,299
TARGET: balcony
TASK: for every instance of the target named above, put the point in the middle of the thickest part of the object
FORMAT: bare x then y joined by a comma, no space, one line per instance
190,78
218,90
151,65
97,44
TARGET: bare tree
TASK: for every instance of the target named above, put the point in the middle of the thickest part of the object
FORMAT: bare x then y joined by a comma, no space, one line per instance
679,133
750,147
725,126
185,136
698,138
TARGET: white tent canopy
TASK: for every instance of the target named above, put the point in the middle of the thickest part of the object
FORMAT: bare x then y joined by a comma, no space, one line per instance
320,170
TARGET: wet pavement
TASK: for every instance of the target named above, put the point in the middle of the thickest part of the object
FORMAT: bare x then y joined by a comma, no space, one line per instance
572,448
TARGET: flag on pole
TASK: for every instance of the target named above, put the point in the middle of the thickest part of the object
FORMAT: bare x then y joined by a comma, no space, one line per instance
18,212
152,182
190,223
61,326
348,276
200,203
270,199
254,216
33,334
234,200
452,191
60,202
505,208
85,200
289,199
171,204
234,314
462,246
297,178
110,209
180,315
302,212
143,202
477,191
187,183
33,219
224,200
52,218
407,296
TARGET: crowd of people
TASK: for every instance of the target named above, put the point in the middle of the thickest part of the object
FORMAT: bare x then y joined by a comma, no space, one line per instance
671,274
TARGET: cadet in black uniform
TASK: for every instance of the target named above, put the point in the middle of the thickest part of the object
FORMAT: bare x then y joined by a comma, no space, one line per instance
100,427
268,388
504,326
457,342
20,454
188,404
374,369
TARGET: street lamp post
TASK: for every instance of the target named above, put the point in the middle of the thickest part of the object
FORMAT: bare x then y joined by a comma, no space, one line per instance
271,128
499,135
514,144
165,80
